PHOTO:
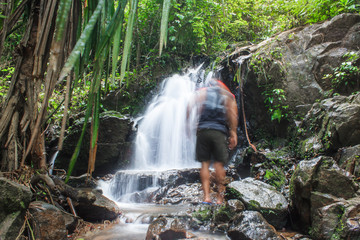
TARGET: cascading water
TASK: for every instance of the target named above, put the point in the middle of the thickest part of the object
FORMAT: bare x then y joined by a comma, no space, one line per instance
165,140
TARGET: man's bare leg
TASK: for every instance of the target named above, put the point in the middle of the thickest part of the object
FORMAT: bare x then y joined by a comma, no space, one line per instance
205,180
220,179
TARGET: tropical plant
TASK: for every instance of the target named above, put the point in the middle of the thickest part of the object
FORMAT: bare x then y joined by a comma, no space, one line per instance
346,76
82,33
274,102
311,11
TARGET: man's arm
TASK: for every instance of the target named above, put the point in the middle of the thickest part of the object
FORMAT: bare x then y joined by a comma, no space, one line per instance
232,118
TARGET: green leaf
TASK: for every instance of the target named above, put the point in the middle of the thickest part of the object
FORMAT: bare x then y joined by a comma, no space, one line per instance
117,39
113,27
128,39
276,115
80,44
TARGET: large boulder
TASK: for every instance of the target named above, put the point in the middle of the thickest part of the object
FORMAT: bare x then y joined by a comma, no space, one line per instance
348,158
95,207
89,204
331,124
262,197
185,193
14,200
113,145
317,183
169,228
252,225
48,222
339,220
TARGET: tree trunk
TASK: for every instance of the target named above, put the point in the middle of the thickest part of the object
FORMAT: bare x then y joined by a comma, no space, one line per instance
22,124
20,97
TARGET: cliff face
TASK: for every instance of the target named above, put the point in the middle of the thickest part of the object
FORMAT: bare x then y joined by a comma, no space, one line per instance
303,86
308,64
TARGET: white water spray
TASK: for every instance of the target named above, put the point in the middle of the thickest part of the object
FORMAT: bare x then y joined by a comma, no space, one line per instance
165,137
165,140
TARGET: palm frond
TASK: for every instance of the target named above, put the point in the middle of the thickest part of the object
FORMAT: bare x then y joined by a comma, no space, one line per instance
117,39
113,26
64,8
128,38
80,44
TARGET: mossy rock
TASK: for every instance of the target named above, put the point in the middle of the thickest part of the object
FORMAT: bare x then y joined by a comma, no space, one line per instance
203,214
223,214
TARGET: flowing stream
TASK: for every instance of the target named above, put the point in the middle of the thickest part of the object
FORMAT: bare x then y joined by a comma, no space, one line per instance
165,142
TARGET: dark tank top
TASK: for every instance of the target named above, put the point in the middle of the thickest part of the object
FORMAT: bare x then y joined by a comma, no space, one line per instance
213,113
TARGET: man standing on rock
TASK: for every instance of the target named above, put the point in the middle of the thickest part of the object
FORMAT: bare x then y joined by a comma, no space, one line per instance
216,134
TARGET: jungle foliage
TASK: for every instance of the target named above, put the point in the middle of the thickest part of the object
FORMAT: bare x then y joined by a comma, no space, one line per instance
92,47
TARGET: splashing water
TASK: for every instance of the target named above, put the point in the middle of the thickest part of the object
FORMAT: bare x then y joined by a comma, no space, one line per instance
165,137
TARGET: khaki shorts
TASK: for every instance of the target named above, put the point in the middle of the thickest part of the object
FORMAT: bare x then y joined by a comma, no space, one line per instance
212,145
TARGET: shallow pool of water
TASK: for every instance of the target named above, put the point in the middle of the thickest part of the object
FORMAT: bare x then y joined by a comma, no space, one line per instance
137,217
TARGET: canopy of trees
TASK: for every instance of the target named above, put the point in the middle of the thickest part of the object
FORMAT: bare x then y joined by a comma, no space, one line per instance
62,57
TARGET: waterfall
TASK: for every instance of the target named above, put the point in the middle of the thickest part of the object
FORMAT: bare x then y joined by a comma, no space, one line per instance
165,139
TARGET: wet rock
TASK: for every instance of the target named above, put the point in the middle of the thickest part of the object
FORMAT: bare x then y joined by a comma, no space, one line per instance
264,198
131,181
349,159
330,125
189,192
113,149
14,200
203,214
14,197
236,205
339,220
214,217
352,215
167,228
139,182
273,166
173,186
251,225
93,206
187,176
186,193
82,181
223,215
319,200
317,183
48,222
10,225
334,180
